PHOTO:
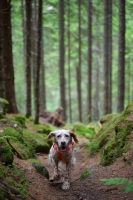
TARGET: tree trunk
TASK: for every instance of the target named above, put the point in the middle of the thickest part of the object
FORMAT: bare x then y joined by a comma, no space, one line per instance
61,58
121,57
79,63
69,68
37,88
2,90
7,57
42,78
107,55
34,44
24,31
28,57
89,87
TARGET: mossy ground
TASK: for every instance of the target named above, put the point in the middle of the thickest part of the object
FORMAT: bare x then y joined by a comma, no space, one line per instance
19,134
14,182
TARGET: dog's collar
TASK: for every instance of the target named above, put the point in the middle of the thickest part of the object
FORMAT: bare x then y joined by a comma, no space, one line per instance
60,153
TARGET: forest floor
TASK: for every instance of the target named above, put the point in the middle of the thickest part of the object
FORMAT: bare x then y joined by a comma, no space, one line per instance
81,189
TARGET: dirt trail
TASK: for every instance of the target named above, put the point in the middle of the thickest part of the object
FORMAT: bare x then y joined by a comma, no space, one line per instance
86,189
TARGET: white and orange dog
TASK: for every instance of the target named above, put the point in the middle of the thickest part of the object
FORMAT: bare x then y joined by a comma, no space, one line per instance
62,152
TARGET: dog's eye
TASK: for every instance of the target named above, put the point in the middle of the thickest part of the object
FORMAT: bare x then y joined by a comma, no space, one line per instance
67,136
58,136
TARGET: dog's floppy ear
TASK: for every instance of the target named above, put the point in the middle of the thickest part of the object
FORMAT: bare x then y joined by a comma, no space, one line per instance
73,135
51,134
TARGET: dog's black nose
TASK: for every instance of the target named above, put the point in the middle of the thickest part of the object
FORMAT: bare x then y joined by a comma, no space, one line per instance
63,143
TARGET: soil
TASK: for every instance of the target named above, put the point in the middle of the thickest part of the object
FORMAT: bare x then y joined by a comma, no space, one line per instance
81,189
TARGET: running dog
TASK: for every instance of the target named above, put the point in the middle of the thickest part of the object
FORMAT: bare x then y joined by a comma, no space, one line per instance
62,152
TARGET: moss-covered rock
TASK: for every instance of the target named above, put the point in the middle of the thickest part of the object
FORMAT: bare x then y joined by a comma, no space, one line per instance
107,118
105,134
6,154
19,143
109,153
40,128
38,141
115,137
45,128
82,129
20,119
41,169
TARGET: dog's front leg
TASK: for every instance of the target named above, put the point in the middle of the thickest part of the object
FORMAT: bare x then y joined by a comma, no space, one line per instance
66,183
56,175
56,171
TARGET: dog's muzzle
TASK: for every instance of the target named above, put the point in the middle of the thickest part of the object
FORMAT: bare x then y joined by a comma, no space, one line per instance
63,146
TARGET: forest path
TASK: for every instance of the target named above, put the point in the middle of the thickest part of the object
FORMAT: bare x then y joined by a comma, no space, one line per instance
81,189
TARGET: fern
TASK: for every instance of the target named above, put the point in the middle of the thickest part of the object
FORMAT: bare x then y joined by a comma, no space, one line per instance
127,184
6,137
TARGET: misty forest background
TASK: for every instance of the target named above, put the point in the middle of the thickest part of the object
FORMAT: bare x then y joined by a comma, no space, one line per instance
71,53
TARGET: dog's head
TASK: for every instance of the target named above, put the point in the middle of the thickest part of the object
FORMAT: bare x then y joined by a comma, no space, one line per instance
63,138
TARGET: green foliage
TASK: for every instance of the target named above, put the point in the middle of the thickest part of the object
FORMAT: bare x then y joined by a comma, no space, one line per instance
93,146
82,130
85,174
20,119
127,184
17,179
37,141
3,107
6,154
113,139
3,101
104,135
40,128
12,132
21,145
3,171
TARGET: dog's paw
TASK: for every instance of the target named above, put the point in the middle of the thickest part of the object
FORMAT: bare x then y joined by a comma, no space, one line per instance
66,185
55,178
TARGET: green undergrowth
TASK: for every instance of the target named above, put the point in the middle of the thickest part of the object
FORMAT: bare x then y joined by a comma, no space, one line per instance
13,183
114,138
126,183
6,154
83,130
18,142
38,141
40,128
21,139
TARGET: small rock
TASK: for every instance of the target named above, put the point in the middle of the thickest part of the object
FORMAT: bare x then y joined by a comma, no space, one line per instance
41,169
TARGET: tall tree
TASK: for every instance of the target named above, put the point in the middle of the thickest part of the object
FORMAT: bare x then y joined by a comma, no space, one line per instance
34,43
79,63
42,78
62,58
37,74
69,64
24,30
89,86
28,57
107,55
1,65
121,57
7,56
